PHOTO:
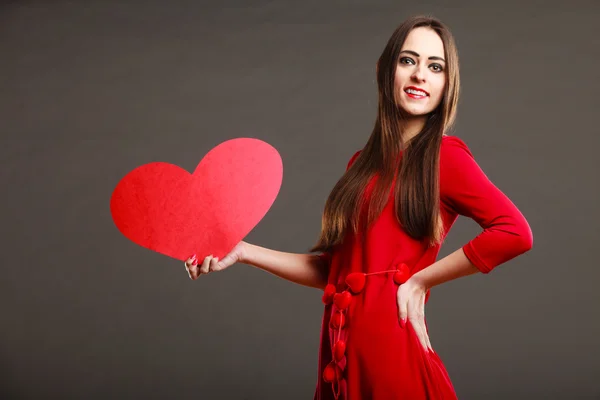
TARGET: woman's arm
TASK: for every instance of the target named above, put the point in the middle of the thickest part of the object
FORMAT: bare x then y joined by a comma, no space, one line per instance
467,190
303,269
452,266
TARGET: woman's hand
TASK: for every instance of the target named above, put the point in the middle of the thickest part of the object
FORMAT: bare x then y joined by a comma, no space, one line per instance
411,305
210,263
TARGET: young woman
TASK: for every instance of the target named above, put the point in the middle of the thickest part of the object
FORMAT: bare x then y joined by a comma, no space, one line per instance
384,223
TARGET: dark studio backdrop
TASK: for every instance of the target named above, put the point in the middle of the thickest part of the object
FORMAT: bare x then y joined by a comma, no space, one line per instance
91,90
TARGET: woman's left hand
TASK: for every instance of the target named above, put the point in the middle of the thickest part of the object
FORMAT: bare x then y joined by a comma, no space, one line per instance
411,305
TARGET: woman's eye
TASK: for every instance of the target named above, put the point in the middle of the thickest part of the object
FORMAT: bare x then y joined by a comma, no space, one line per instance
438,67
405,60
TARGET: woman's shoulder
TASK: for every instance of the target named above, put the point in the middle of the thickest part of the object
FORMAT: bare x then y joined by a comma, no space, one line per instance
457,161
452,140
453,146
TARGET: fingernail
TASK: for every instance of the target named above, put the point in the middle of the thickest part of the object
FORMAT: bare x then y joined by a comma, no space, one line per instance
193,257
402,322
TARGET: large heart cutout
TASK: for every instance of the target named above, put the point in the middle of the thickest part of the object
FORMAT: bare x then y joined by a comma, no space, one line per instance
164,208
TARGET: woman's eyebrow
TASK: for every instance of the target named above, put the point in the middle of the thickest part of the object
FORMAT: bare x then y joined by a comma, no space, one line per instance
414,53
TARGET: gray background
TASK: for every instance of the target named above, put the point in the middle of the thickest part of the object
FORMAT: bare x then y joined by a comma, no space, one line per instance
91,90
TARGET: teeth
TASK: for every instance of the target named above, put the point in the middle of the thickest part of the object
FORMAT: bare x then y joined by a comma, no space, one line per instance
418,93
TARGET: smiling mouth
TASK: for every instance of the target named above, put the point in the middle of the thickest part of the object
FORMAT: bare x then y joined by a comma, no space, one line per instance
415,94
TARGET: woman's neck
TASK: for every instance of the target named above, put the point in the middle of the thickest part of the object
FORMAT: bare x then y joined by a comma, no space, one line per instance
412,127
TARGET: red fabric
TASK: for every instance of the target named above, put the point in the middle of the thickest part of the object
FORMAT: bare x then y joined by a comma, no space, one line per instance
382,360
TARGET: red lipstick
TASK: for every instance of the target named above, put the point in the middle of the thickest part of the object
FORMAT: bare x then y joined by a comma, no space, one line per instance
415,96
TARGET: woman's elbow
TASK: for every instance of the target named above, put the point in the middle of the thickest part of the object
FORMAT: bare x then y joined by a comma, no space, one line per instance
525,239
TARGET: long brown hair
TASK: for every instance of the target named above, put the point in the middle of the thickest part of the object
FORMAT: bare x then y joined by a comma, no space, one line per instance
417,198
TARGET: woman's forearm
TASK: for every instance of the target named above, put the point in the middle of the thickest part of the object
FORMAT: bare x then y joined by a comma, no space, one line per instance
451,267
303,269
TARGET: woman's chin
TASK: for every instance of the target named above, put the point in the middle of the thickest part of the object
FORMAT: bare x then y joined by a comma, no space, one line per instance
415,113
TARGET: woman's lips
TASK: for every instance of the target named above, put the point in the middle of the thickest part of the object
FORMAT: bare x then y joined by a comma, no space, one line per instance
415,96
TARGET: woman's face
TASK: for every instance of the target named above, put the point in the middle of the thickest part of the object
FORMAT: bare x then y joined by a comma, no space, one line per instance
420,72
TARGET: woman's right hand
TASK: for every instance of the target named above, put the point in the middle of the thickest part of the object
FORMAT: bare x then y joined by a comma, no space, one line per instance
210,263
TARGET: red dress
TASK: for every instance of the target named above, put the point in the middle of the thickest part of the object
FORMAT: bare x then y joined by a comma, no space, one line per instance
381,360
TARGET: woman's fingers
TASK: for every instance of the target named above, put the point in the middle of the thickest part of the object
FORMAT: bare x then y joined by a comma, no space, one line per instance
195,270
415,320
411,306
402,309
214,264
205,265
421,322
191,266
210,264
191,261
429,346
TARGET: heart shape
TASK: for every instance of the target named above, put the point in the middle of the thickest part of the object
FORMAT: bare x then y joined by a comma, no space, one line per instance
164,208
339,349
332,372
342,300
356,281
328,293
338,320
402,274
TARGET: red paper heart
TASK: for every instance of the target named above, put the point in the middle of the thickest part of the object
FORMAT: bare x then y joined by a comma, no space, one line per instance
164,208
342,300
356,281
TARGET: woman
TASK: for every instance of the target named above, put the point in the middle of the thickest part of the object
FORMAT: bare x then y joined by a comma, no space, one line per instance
379,240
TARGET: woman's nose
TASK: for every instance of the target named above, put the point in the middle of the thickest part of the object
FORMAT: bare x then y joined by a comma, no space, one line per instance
418,75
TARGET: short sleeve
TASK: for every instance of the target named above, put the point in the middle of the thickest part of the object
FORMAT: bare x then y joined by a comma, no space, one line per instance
466,189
